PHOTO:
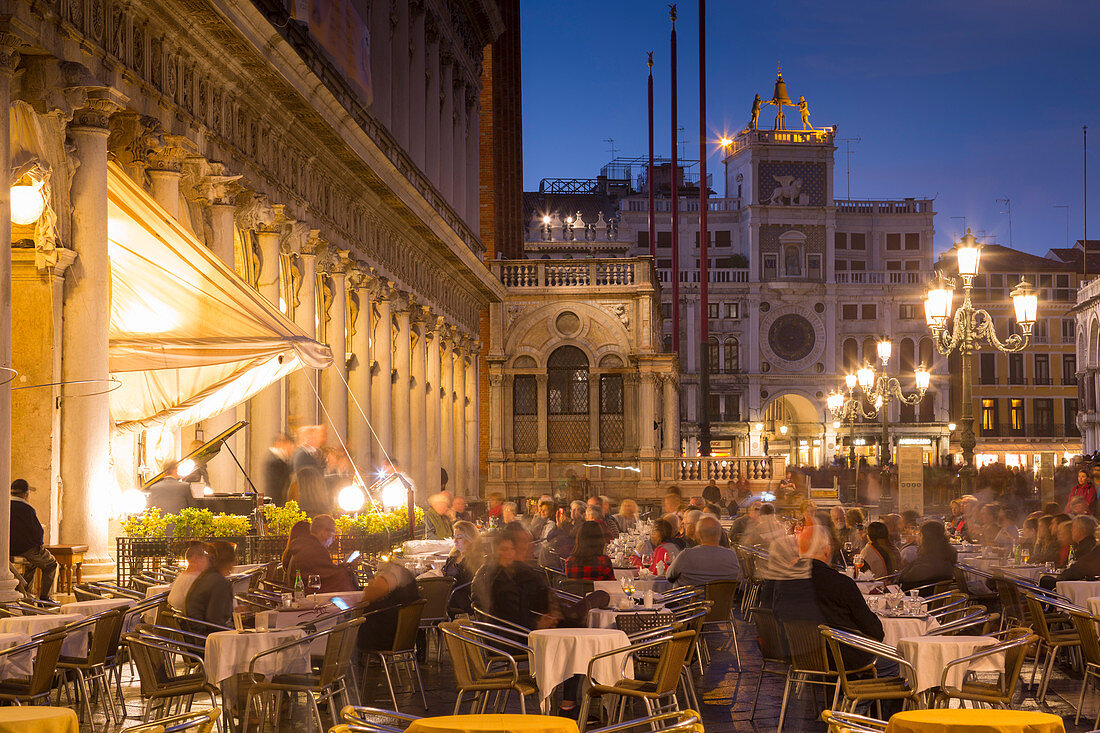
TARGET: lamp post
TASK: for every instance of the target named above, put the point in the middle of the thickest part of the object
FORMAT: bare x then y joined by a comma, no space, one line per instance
849,409
880,390
970,326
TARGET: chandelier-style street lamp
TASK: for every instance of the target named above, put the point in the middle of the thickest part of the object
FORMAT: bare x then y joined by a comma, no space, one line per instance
849,409
879,390
969,327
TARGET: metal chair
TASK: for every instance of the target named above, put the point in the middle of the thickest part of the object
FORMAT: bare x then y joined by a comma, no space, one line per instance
36,688
720,618
866,684
403,652
840,722
92,667
196,721
1055,631
436,592
681,721
469,651
772,649
160,683
1090,651
999,694
373,720
809,663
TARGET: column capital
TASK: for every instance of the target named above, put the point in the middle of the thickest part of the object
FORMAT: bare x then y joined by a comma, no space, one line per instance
97,110
258,214
9,52
171,155
542,378
209,182
360,276
333,261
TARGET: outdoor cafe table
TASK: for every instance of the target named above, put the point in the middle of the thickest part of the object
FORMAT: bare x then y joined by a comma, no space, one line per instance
228,654
971,720
75,644
930,654
558,654
38,719
99,605
1078,591
896,628
1028,572
607,618
493,724
15,665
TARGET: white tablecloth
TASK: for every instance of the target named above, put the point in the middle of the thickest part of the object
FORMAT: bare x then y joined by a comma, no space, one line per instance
76,643
895,629
930,654
429,547
558,654
15,665
91,608
1079,591
229,652
1030,573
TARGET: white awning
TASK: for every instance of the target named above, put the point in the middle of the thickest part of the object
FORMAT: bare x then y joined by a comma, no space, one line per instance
188,337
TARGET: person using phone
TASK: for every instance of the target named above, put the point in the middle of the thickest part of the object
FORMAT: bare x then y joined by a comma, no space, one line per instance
310,555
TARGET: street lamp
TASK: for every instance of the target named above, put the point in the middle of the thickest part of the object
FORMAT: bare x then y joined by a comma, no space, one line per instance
970,326
880,389
848,408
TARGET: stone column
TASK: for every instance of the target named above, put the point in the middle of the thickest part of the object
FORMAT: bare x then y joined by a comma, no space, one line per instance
647,398
266,418
382,371
446,408
381,73
473,455
302,383
433,398
542,452
593,413
418,424
86,475
334,393
631,420
508,415
498,419
401,385
672,417
458,149
224,475
417,84
9,57
473,167
433,108
445,182
458,426
360,439
399,73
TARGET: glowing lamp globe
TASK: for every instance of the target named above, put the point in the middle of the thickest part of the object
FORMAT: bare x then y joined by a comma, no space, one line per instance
351,498
885,350
782,429
758,427
951,426
27,203
1026,304
924,378
969,253
134,502
835,401
394,492
866,377
850,381
836,425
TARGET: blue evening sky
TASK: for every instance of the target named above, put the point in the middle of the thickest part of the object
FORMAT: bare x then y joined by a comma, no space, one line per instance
969,101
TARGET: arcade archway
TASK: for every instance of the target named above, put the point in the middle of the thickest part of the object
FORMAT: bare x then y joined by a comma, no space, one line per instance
793,427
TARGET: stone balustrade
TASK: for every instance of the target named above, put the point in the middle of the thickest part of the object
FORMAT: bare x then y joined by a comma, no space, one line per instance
903,206
882,277
588,273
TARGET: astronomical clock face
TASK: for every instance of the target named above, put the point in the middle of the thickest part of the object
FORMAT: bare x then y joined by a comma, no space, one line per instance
791,337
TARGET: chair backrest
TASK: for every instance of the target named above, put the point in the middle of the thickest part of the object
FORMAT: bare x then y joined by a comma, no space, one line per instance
466,659
576,587
1086,629
408,623
961,583
720,593
807,646
835,641
1014,657
673,655
360,718
1040,619
105,635
768,635
635,623
435,592
839,722
1010,597
339,650
45,663
196,721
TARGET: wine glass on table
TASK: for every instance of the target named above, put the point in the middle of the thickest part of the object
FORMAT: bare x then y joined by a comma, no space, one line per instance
313,583
647,560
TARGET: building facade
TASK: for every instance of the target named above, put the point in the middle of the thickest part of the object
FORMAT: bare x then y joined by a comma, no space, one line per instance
1024,404
801,286
330,164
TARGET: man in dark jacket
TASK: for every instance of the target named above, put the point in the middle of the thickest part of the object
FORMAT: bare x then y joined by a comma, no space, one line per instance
510,588
1086,554
28,539
841,604
309,555
277,469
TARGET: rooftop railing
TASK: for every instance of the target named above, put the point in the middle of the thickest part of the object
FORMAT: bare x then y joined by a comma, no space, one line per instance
620,271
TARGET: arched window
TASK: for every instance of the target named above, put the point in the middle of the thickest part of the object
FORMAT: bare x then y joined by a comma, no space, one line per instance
870,352
611,413
567,400
731,358
712,355
525,429
851,356
908,412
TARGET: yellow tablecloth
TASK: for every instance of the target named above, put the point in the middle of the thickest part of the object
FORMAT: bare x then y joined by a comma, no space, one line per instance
974,721
493,724
35,719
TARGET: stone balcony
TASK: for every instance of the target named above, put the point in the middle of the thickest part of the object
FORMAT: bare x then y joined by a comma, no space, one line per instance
886,206
883,277
573,275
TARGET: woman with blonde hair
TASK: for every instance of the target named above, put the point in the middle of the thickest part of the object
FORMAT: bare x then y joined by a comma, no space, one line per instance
462,564
627,518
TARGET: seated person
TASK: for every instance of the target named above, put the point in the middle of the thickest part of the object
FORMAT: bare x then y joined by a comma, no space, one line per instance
210,598
309,555
910,530
588,561
880,556
1046,546
392,587
664,550
198,561
934,561
707,561
1063,539
298,531
437,520
462,564
1009,533
508,587
171,494
1086,554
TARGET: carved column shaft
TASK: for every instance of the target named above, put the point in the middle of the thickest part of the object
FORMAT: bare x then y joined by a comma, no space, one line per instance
433,105
399,73
446,128
647,399
446,410
542,452
402,391
417,86
672,417
593,412
458,475
432,403
473,453
382,374
419,419
334,392
224,475
266,416
360,439
303,398
458,153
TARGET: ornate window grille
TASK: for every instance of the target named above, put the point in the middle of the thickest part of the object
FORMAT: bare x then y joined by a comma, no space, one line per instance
567,400
525,429
611,413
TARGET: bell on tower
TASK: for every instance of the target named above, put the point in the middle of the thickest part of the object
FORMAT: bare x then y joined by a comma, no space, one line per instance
779,100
